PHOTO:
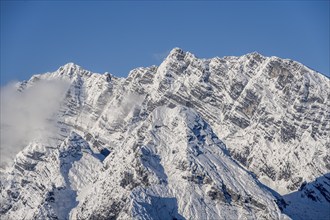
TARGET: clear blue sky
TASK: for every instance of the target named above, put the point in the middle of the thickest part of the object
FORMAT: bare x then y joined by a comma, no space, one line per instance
115,36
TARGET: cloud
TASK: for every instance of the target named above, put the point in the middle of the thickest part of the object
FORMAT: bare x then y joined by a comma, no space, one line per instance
25,115
126,108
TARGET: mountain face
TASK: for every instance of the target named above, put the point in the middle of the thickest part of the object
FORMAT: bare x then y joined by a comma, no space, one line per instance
223,138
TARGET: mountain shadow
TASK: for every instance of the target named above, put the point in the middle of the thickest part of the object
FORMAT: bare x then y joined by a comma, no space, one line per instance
311,201
161,208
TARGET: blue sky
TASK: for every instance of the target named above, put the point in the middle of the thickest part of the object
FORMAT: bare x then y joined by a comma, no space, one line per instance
116,36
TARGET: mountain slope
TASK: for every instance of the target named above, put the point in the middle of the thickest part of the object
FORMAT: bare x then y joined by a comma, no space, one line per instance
174,159
170,136
263,108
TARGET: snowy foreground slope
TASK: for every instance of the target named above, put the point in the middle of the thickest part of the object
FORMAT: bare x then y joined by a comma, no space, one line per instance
222,138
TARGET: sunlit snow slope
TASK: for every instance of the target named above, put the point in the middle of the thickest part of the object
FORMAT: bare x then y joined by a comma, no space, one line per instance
223,138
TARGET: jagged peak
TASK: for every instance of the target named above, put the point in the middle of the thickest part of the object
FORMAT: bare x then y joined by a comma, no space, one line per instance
254,53
255,56
176,50
176,53
72,69
70,66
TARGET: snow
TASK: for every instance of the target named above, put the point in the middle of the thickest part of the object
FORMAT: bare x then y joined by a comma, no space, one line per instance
218,138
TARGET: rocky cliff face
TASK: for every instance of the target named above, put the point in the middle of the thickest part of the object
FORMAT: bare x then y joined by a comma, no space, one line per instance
192,138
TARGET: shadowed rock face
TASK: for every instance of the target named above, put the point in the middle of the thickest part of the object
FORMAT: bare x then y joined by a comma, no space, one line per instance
178,141
310,200
159,208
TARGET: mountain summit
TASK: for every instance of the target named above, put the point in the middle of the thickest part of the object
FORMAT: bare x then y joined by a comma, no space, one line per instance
223,138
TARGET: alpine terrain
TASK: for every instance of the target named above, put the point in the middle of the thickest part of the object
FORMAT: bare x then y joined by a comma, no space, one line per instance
223,138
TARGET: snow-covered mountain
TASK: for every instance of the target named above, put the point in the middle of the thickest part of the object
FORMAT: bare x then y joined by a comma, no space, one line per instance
223,138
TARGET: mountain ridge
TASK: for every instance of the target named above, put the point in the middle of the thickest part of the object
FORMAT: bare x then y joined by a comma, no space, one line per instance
177,50
259,107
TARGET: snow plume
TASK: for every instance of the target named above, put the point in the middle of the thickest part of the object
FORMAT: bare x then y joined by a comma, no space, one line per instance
26,115
130,102
128,106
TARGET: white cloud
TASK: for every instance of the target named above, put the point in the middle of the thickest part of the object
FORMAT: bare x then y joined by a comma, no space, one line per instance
24,115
